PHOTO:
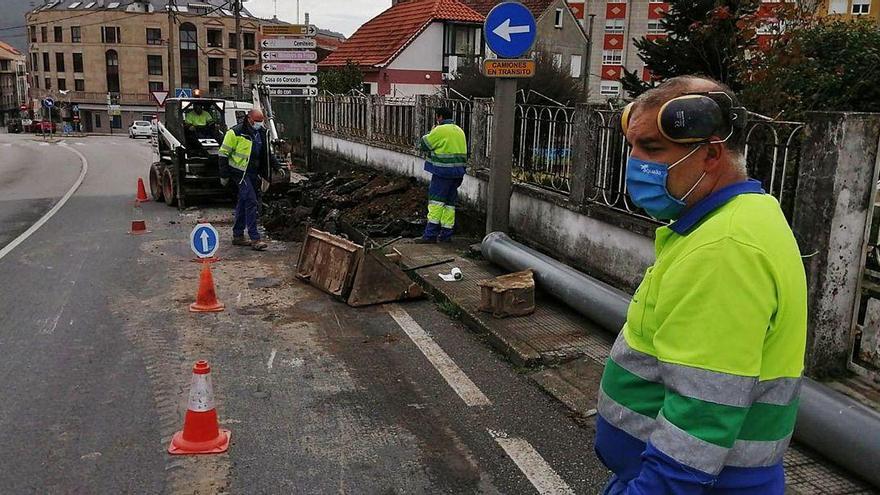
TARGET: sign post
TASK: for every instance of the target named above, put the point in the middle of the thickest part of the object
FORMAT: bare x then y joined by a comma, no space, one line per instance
510,33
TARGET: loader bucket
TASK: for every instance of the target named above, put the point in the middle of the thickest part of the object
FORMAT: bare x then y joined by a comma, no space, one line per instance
355,274
328,262
380,280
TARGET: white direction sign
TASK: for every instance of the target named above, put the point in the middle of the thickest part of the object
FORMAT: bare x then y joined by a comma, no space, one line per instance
301,56
289,43
290,68
305,92
290,80
204,240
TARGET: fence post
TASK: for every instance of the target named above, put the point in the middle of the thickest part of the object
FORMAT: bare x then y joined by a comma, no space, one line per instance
836,186
580,149
337,112
419,115
372,104
477,135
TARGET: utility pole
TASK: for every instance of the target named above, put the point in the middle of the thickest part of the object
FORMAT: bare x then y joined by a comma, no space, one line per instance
171,69
589,55
239,42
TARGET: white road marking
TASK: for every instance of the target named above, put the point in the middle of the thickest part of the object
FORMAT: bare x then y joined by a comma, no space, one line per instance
271,359
530,462
454,376
49,214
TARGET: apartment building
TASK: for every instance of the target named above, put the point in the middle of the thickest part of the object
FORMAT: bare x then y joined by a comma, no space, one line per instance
92,53
13,82
850,9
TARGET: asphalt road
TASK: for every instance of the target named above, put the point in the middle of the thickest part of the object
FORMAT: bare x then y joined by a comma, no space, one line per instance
97,347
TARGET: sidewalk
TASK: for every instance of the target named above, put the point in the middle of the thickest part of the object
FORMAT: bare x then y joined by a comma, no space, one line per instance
564,353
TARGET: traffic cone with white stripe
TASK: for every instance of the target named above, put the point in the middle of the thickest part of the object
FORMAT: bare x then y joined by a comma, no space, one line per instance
201,432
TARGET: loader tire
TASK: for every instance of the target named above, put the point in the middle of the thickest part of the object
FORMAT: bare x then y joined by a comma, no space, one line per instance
168,188
156,183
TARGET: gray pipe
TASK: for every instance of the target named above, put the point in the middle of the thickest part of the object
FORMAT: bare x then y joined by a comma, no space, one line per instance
835,425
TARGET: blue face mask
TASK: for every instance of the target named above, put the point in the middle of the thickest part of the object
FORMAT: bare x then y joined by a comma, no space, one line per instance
646,185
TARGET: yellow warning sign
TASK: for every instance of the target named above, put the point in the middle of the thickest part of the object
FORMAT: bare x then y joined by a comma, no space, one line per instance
514,68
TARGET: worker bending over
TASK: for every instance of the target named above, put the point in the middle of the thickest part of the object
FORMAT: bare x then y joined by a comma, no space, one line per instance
700,393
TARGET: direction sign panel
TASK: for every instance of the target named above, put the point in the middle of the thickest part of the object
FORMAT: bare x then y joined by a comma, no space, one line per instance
290,80
290,68
302,55
288,43
288,30
305,92
204,240
508,67
510,30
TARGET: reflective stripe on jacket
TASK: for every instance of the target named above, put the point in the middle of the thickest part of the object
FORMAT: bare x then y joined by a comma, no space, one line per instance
237,148
446,146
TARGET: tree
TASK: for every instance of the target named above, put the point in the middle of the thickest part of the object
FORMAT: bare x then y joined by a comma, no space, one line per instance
341,80
704,37
817,65
550,80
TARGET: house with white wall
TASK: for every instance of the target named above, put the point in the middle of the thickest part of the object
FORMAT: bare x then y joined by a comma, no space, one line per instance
411,47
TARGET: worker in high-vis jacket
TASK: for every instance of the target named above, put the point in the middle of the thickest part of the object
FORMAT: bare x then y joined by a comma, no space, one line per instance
446,149
700,393
245,158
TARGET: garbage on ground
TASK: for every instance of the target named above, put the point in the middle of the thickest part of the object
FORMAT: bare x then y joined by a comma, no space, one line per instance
508,295
356,274
453,276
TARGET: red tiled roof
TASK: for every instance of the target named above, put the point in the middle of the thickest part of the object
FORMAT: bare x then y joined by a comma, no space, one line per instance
378,41
484,6
5,47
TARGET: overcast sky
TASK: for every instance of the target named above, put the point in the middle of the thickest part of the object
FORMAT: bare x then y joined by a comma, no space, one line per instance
344,16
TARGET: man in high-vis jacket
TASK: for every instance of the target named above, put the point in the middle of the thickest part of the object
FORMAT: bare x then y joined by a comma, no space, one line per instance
446,147
245,158
700,393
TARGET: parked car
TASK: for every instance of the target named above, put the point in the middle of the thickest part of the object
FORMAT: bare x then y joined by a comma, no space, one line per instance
14,126
140,128
44,126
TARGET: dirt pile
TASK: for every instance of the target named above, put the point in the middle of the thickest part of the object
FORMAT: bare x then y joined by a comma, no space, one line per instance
378,205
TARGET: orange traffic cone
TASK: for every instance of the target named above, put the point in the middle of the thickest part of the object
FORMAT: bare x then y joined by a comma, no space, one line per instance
138,224
206,300
142,192
201,432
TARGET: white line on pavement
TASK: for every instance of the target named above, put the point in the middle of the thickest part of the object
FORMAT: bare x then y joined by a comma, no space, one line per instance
49,214
530,462
271,359
454,376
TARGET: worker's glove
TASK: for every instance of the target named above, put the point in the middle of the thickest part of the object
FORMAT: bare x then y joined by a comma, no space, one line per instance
224,181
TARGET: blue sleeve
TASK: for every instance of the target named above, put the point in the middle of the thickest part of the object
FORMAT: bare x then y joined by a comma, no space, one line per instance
662,474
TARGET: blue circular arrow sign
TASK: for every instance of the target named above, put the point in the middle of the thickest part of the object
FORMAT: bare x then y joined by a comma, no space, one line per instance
49,102
510,30
204,240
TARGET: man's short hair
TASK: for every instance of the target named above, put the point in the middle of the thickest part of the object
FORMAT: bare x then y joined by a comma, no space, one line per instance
681,85
444,113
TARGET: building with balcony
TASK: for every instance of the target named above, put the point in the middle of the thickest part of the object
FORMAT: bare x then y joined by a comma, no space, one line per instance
93,53
13,82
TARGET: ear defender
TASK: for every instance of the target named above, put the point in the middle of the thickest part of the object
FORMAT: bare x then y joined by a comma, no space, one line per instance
691,119
624,117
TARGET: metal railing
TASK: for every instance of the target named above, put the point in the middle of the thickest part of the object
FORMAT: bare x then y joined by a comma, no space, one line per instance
542,153
608,183
394,120
351,119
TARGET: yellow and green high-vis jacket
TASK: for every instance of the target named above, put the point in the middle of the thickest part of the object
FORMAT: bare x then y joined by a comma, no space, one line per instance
447,149
700,393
